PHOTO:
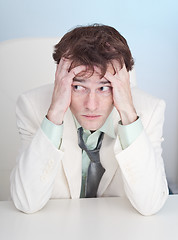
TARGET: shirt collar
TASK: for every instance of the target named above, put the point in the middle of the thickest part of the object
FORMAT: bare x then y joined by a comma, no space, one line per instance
107,128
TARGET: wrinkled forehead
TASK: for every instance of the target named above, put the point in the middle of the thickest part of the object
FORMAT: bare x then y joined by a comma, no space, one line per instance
92,70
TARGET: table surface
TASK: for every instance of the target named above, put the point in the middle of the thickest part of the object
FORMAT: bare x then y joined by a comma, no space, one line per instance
99,218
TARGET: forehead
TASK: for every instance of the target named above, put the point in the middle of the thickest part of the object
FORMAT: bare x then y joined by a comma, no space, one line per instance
90,77
95,75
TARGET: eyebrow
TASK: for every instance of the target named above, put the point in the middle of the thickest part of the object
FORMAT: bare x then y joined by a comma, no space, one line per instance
83,81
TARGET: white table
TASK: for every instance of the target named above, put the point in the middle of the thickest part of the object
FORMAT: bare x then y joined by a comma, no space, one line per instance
100,218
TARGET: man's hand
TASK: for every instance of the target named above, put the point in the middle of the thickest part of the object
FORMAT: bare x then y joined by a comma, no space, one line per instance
122,97
61,98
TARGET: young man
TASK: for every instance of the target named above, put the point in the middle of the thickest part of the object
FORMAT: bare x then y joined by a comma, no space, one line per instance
61,126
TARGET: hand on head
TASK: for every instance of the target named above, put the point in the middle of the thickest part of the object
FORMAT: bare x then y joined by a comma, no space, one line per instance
62,90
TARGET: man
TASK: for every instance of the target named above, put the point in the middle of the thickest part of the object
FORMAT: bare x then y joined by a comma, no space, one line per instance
62,154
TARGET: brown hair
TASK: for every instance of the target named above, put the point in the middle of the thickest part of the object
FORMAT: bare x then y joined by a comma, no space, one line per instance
94,45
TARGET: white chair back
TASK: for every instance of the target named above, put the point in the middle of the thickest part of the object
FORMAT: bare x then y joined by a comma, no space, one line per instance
25,64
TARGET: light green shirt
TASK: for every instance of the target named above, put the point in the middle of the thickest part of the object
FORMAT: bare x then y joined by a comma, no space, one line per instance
91,140
126,133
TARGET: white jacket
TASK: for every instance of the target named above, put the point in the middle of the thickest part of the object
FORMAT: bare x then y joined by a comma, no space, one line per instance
43,172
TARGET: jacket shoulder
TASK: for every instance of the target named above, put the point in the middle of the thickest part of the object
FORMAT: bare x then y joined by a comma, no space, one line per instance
147,105
37,100
39,92
143,100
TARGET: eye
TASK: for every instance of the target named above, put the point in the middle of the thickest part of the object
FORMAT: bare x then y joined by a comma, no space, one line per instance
78,88
105,89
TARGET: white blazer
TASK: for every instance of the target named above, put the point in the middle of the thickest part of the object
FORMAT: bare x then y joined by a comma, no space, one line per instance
43,171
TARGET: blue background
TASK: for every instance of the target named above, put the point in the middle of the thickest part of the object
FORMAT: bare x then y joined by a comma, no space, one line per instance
150,27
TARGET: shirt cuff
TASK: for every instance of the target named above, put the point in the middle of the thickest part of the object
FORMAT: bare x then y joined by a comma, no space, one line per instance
52,131
129,133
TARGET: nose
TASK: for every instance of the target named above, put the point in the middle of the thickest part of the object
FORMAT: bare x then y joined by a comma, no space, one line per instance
91,101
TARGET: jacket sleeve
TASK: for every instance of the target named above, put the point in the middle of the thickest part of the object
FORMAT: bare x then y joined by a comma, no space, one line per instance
32,178
142,166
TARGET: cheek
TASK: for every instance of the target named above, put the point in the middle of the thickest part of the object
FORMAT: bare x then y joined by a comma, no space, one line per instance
107,102
76,102
108,106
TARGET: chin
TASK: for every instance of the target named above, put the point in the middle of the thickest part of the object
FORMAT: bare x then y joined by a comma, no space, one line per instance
91,127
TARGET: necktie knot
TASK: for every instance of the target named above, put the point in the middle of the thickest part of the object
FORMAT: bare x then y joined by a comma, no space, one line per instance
82,144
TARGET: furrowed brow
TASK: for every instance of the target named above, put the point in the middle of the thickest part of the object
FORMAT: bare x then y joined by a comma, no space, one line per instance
84,81
78,80
104,82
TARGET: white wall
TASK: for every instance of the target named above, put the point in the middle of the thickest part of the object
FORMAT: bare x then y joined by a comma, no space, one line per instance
151,28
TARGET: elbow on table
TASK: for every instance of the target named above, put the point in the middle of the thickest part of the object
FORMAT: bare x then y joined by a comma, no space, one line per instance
27,208
152,208
24,204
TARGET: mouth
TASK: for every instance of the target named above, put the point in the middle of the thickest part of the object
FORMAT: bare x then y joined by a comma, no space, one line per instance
91,116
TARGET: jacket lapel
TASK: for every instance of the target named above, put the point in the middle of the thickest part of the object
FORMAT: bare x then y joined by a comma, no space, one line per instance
107,156
72,160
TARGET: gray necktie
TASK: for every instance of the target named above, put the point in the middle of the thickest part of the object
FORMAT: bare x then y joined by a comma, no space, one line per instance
95,169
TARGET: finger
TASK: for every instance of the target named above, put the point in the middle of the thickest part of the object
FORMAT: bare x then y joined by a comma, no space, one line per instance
110,77
114,80
124,74
121,72
63,66
59,65
116,66
123,69
75,71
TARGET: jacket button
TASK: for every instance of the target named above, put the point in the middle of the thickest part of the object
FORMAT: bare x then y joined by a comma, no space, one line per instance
51,162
